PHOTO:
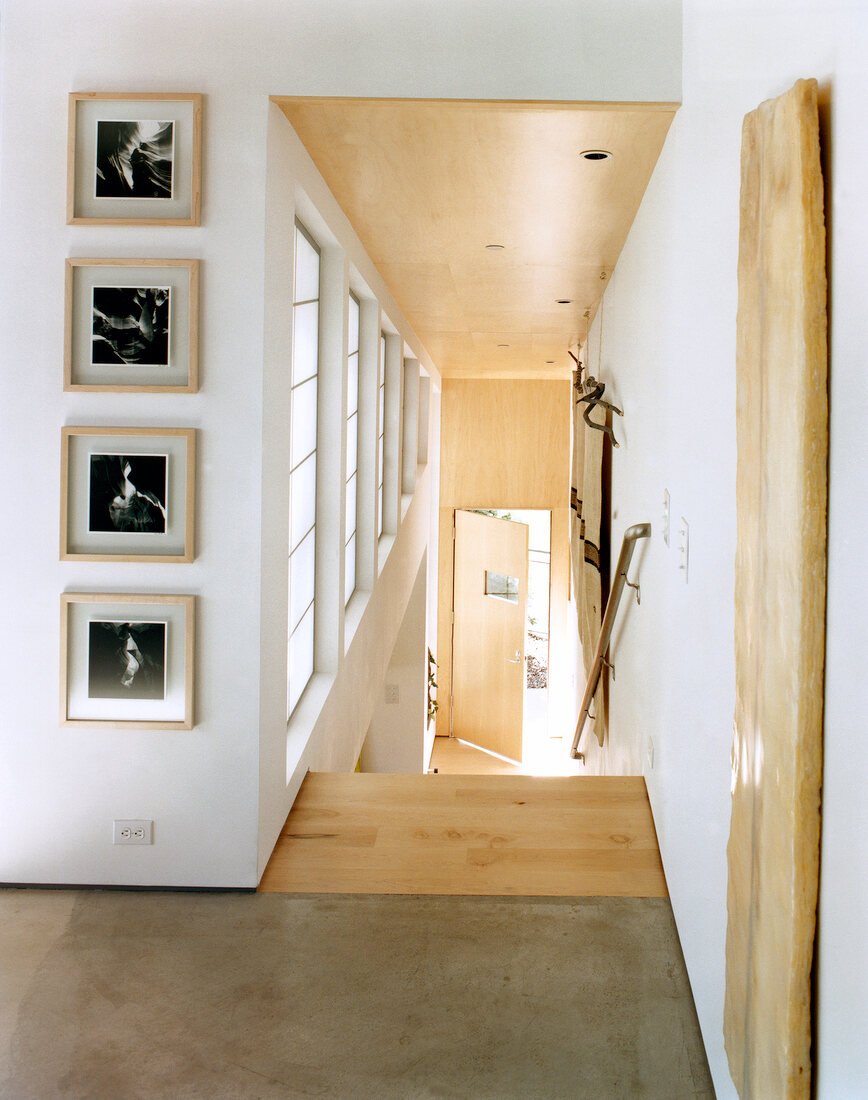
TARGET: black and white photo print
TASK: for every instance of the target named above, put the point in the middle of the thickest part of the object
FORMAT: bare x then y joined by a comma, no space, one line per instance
128,492
126,660
134,159
130,325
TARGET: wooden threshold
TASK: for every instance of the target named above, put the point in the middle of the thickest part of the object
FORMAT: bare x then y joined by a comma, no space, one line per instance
561,836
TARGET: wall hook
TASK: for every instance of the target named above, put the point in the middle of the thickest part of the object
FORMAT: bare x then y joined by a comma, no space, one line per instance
593,395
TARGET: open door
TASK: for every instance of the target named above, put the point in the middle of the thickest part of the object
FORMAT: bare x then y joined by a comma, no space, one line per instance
490,603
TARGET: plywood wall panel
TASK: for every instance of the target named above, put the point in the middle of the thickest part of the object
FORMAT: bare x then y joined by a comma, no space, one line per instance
505,444
773,850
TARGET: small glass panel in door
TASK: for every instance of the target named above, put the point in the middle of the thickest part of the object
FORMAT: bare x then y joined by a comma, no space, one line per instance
502,586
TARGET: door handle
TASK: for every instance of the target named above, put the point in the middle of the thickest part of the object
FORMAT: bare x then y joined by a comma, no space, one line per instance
516,660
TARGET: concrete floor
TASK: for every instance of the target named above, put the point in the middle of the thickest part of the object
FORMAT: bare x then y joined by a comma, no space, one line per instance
113,995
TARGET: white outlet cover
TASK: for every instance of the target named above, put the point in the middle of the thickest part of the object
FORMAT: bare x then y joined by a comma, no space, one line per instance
133,830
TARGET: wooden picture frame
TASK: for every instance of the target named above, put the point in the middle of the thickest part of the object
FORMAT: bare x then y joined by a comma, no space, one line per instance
134,159
131,326
127,660
127,494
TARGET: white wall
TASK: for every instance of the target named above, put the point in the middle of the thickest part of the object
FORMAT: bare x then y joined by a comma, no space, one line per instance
668,357
395,741
62,788
59,789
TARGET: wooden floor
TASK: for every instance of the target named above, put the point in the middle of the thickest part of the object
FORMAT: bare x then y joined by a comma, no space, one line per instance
562,836
452,756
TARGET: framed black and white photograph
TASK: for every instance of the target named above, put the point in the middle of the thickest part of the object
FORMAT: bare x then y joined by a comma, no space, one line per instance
131,325
127,494
127,660
134,159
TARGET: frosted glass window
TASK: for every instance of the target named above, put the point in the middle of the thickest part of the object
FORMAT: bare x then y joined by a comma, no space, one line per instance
352,463
381,431
302,476
302,566
306,267
353,384
303,428
302,501
351,505
350,581
352,445
305,341
300,659
353,338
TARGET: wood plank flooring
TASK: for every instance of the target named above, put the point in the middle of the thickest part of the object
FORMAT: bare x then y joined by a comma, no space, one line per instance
451,756
544,756
561,836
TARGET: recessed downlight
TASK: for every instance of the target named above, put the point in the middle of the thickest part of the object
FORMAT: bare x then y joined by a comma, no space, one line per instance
564,301
596,154
503,345
495,247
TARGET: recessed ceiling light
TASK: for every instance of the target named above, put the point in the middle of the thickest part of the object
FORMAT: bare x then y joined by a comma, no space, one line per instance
549,362
495,247
596,154
564,301
503,345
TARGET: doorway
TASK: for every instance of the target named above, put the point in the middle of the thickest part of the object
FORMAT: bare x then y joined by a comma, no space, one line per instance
489,616
502,639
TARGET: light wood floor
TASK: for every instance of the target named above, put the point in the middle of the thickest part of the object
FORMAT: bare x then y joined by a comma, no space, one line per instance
452,756
562,836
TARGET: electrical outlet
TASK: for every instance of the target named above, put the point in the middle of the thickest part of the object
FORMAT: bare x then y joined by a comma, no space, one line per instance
666,511
650,752
133,831
392,694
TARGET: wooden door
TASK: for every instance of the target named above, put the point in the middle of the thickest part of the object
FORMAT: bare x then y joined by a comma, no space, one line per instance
490,604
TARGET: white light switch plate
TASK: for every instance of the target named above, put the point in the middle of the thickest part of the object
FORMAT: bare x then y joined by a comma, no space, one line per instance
684,547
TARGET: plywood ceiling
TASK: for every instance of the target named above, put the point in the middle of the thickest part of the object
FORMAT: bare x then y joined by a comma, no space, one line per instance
427,184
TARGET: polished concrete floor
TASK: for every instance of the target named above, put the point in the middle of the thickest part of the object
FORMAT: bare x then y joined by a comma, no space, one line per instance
113,995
